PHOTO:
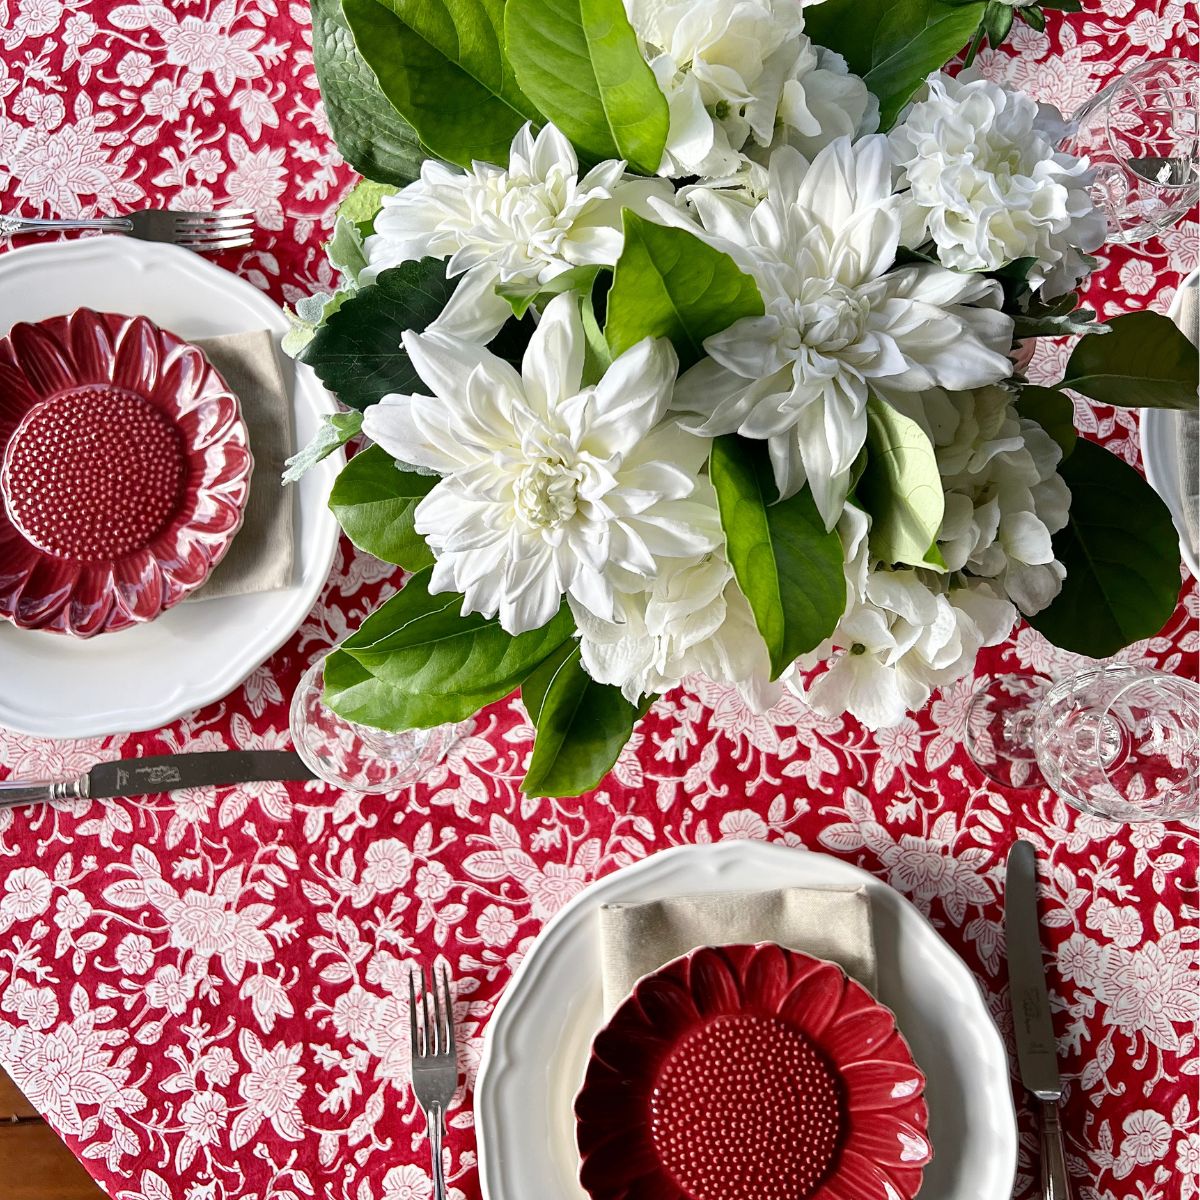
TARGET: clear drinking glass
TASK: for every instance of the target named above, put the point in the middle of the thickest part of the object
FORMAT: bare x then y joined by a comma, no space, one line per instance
356,757
1140,134
1116,741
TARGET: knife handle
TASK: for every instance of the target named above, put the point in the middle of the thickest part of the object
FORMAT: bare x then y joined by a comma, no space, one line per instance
29,791
1056,1183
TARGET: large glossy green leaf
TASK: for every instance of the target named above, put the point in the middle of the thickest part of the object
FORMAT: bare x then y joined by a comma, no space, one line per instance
893,44
668,283
788,566
579,62
900,488
1121,552
582,726
422,645
374,502
371,135
442,65
1145,361
1053,411
357,352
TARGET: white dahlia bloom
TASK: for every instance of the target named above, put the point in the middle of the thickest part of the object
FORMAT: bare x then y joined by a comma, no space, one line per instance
549,488
838,318
903,634
521,225
1004,497
740,73
693,620
989,184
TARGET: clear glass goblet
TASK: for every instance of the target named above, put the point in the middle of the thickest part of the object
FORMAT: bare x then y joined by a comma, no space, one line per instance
356,757
1140,134
1116,741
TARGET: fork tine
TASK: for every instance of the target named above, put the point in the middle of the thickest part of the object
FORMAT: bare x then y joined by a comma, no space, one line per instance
431,1043
232,243
214,221
438,1025
414,1042
452,1044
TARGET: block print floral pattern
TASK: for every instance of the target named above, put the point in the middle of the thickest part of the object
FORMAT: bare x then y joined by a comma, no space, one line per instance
206,994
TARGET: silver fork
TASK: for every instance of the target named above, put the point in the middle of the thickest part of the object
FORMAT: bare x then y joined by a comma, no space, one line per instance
434,1062
204,231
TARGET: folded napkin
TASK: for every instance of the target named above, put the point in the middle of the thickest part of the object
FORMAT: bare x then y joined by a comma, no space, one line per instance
829,923
261,556
1188,425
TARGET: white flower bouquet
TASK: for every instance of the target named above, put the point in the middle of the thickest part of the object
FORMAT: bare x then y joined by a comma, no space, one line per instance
685,335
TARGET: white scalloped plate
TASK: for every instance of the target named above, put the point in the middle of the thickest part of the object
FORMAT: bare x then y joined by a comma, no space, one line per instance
538,1039
142,678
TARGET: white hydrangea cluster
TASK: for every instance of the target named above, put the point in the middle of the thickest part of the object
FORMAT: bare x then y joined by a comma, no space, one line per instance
989,185
741,77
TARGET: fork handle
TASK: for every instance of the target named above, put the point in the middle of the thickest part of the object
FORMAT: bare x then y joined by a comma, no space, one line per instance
437,1126
11,226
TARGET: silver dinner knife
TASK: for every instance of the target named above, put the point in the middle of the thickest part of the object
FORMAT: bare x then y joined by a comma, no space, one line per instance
159,773
1037,1051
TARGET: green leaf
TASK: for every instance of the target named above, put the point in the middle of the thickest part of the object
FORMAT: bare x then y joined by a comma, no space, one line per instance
357,353
420,644
345,250
335,430
997,20
371,135
363,201
668,283
1033,16
893,44
579,62
442,65
916,37
374,502
788,566
582,726
597,356
1121,552
354,693
1053,411
901,487
1145,362
577,279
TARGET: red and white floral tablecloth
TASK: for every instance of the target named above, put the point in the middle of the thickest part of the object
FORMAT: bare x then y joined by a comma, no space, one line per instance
205,993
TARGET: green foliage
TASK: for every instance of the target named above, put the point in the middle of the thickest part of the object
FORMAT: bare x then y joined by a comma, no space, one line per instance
374,502
446,666
901,488
581,725
357,353
371,135
1121,553
1053,411
522,298
1146,361
788,566
893,44
668,283
579,62
363,202
442,65
335,431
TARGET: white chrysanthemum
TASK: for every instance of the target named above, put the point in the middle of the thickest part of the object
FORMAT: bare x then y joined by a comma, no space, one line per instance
821,247
903,634
989,184
693,620
740,73
550,488
1004,497
521,225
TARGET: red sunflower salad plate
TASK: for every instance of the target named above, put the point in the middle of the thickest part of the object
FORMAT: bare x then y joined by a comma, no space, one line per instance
751,1073
126,467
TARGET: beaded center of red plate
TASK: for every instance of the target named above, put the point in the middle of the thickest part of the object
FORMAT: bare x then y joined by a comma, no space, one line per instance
746,1107
94,472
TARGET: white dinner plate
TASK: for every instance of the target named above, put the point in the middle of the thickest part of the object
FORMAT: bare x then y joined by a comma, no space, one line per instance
1160,451
197,652
538,1039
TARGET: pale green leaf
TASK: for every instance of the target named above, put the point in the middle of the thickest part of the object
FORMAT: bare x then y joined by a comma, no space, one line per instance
335,430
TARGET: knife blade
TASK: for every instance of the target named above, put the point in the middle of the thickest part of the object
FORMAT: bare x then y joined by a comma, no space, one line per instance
161,773
1037,1051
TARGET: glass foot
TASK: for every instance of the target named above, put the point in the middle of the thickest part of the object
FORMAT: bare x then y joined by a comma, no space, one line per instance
1000,729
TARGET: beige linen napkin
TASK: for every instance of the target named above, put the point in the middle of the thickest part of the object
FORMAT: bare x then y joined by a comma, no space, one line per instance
829,923
261,557
1188,426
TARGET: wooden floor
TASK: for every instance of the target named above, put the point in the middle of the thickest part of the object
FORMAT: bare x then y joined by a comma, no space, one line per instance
34,1164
